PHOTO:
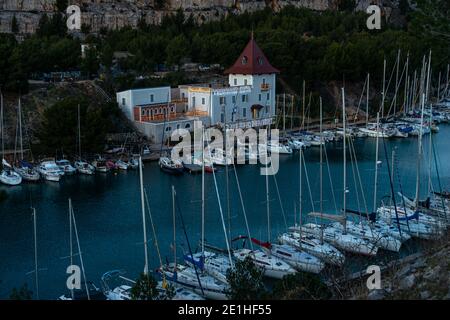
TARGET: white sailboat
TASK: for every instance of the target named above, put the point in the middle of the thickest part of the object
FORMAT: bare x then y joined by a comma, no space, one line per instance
23,168
49,170
338,236
81,165
7,175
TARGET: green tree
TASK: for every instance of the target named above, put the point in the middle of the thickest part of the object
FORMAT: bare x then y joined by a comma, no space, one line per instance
23,293
145,288
245,281
301,286
90,62
61,5
177,49
14,25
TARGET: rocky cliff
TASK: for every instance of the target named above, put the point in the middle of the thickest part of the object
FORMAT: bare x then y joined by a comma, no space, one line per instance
113,14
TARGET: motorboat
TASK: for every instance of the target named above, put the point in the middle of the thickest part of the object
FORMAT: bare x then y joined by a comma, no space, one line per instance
84,167
66,167
26,171
50,171
170,166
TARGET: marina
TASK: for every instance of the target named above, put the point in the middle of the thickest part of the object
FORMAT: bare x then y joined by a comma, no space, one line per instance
109,220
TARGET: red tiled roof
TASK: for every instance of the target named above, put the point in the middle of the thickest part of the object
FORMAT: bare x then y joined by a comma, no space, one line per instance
252,61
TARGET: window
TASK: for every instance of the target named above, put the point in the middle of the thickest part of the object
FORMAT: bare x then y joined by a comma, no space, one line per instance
233,98
124,101
264,81
260,61
203,101
222,100
268,96
222,117
168,129
187,126
235,81
245,82
160,110
193,101
259,97
244,60
143,112
267,109
178,126
151,98
182,95
244,98
244,112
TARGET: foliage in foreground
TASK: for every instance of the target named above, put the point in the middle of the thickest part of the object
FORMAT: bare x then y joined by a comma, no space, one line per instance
245,281
23,293
145,288
301,286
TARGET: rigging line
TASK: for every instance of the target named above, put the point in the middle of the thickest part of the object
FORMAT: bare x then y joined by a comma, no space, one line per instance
331,180
281,203
221,211
397,89
309,186
400,186
79,252
243,206
438,178
359,178
155,239
354,176
387,87
188,243
392,186
360,100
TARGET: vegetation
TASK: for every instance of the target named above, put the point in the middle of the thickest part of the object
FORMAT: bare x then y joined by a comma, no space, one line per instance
59,127
304,44
245,281
23,293
146,289
301,286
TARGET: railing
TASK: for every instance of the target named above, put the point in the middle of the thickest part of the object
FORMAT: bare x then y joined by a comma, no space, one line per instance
264,86
196,113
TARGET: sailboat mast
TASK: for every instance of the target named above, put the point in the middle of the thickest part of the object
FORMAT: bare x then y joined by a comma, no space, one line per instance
428,79
20,129
1,124
345,160
300,191
405,102
267,201
419,153
321,167
430,151
367,99
376,164
303,104
203,193
174,231
79,133
439,88
383,94
71,241
144,227
396,81
36,277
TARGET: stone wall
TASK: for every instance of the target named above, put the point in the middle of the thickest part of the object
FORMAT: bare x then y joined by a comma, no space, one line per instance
113,14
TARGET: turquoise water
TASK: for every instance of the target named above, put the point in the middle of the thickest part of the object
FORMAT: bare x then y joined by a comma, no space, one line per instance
108,213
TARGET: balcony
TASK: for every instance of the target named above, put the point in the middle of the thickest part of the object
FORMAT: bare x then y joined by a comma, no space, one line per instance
265,87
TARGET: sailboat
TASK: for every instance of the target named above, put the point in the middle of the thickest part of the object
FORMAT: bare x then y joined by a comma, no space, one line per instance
7,175
190,277
82,166
212,263
310,244
338,236
23,168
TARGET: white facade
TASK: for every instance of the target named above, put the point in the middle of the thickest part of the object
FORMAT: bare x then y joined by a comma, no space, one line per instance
129,99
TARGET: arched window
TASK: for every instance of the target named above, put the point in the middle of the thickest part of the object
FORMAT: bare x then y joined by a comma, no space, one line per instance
187,126
168,129
244,60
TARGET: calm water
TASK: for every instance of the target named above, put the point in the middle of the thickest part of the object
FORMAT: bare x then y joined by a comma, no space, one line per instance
108,214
